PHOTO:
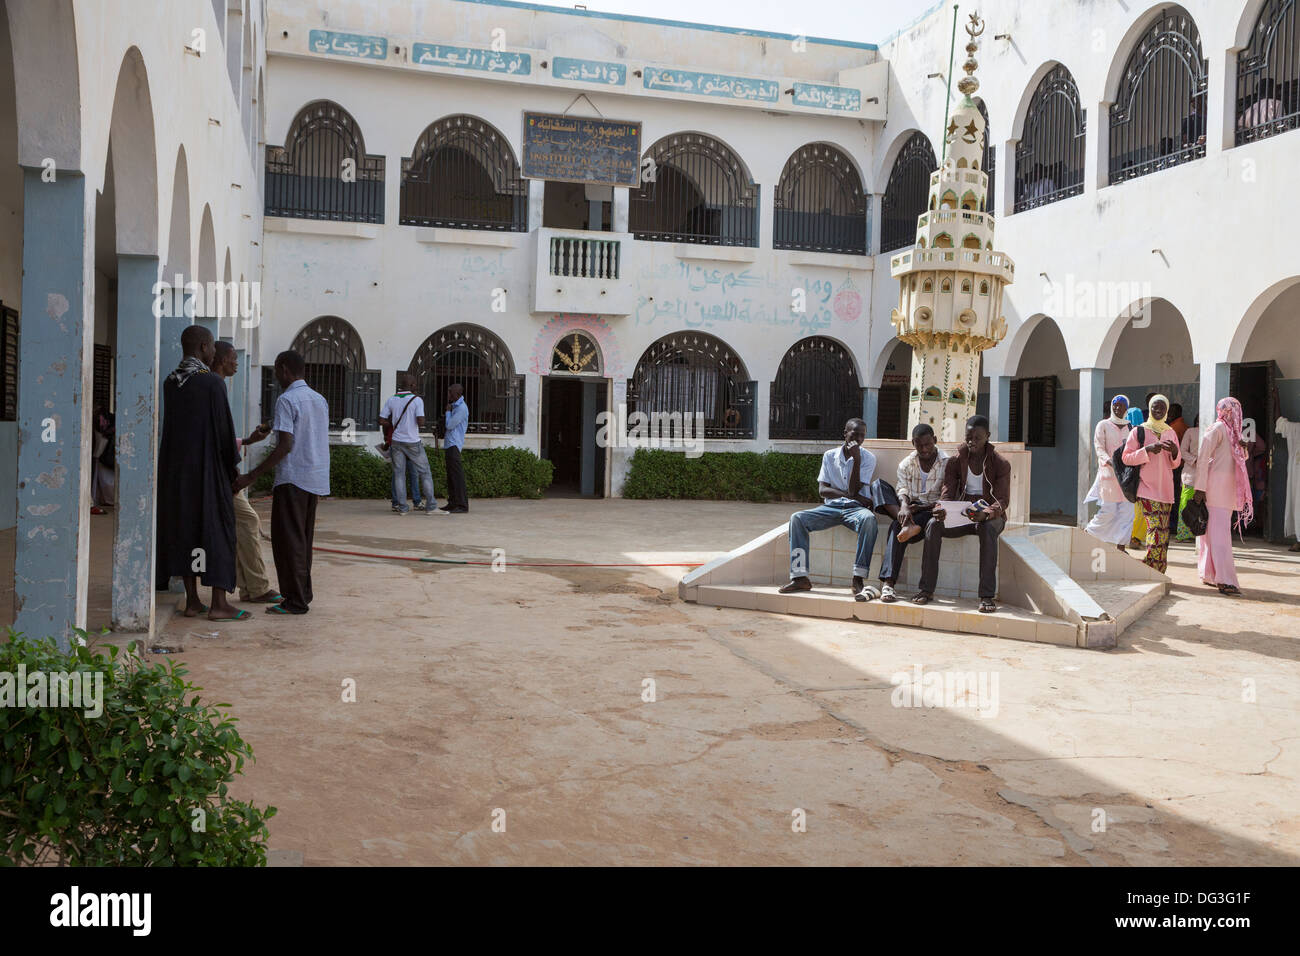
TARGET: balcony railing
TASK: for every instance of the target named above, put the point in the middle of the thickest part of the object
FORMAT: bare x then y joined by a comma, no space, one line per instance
585,258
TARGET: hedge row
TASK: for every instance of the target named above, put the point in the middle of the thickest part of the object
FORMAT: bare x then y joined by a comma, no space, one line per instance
507,472
726,476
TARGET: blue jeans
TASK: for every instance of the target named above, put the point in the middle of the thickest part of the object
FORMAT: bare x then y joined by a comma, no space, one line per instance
411,456
412,482
852,515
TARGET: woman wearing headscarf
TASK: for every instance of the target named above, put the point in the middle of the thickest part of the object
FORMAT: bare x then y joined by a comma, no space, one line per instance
1157,456
1113,522
1136,417
1222,485
1189,445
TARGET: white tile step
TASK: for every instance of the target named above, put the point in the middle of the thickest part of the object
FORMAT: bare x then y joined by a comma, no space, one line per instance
955,615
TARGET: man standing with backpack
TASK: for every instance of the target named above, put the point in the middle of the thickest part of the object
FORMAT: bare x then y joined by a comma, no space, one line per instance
404,414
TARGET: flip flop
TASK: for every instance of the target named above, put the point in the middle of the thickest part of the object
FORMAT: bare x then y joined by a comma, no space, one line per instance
277,609
240,615
273,599
203,609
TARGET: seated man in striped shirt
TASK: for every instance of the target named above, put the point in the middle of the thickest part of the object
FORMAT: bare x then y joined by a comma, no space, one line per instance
920,480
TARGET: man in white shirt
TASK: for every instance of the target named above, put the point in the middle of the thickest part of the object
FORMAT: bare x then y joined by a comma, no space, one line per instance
847,499
404,414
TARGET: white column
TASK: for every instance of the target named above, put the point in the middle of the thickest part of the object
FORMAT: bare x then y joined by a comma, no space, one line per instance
1092,385
536,203
618,220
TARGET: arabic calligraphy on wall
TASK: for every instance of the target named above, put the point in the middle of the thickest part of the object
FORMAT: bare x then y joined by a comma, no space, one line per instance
580,149
827,97
710,84
588,71
348,44
471,58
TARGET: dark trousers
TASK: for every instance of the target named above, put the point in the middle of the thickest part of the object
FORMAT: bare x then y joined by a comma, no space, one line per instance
456,497
892,559
988,531
293,527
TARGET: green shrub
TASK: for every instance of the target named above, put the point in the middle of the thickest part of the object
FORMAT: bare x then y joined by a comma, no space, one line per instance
144,783
489,472
727,476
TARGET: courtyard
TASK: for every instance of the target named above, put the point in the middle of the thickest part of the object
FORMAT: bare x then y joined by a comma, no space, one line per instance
518,697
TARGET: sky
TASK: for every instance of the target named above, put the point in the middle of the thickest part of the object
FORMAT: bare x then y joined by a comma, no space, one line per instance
865,21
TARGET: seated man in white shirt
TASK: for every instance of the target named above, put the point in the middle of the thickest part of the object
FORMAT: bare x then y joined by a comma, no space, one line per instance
920,479
849,498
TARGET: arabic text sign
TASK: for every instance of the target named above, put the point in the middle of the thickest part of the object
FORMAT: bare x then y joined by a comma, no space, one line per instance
710,84
580,149
348,44
471,58
827,97
588,71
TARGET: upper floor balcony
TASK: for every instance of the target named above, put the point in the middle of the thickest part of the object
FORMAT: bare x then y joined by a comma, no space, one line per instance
957,260
582,271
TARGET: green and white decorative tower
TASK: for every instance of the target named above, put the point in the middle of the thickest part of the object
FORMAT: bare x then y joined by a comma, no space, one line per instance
950,282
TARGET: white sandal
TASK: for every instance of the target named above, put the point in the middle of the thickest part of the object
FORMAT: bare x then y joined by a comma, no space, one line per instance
888,595
868,593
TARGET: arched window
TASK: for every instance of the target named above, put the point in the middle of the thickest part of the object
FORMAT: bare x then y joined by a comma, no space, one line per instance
476,359
336,367
686,373
906,193
815,391
989,162
945,285
965,285
463,174
943,241
1268,74
1049,156
927,285
984,288
819,203
694,189
322,170
1158,117
970,241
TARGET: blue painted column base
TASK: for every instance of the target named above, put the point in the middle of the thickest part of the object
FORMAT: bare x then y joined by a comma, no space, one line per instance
137,444
52,537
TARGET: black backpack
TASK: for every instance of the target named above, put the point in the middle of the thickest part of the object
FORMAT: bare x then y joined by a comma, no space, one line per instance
1128,475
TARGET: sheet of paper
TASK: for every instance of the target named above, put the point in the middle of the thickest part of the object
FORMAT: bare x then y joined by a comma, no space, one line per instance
952,514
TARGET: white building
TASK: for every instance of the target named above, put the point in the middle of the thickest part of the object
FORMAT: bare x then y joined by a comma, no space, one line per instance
1140,160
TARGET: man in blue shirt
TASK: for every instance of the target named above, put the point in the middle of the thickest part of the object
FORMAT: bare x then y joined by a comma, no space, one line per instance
301,460
850,498
457,418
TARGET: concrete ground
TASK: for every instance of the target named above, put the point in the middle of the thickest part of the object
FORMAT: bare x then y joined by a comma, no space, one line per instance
519,696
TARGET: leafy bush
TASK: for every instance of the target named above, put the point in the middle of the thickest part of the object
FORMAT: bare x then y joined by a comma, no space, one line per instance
728,476
356,472
144,783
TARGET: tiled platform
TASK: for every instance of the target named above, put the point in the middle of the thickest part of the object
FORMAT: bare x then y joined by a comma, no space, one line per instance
1056,584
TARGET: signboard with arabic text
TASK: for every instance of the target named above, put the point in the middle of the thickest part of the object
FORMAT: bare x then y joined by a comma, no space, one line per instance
581,149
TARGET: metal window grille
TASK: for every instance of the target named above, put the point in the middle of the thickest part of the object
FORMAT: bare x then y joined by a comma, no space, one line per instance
989,162
322,170
336,367
1158,117
819,203
815,391
694,189
477,360
688,373
9,334
463,175
1032,412
102,378
906,193
1049,157
1268,74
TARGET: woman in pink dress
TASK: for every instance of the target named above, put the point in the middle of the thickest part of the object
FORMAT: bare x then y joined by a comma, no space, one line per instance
1223,487
1158,456
1113,522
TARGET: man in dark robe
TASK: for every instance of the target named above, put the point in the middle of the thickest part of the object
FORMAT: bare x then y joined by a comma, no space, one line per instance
197,465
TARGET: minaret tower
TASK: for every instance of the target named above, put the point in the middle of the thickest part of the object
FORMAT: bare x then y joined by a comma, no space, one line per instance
950,282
